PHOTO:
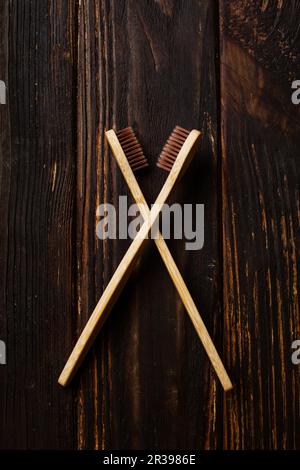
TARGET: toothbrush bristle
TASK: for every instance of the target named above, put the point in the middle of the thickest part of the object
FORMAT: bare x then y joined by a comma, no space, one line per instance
172,148
132,149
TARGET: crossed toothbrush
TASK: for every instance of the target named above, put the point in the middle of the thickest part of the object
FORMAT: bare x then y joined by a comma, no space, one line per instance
175,158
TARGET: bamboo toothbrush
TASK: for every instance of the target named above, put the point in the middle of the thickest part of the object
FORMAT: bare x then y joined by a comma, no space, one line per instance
126,149
183,147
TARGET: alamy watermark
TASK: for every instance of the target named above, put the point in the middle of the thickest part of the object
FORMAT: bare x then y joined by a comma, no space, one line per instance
296,94
176,221
296,353
2,92
2,352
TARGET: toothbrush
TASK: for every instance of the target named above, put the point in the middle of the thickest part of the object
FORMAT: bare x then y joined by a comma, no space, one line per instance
130,158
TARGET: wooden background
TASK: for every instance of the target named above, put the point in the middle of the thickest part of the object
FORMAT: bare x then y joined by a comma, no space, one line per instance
74,69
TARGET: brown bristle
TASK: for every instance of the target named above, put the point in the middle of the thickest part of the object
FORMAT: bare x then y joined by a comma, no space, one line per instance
172,148
132,149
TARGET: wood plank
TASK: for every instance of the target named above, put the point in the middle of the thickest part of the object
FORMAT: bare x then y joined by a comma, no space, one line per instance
36,197
260,58
147,383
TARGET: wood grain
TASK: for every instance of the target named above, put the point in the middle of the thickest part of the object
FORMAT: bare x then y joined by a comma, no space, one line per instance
145,64
73,70
260,187
36,199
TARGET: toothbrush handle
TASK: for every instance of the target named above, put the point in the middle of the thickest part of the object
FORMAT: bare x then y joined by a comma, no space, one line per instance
101,311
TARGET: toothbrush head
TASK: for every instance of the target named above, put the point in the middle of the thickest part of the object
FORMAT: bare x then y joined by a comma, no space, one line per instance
132,149
172,148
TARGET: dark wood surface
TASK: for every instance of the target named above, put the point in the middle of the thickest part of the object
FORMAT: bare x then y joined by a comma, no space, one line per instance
74,69
260,57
